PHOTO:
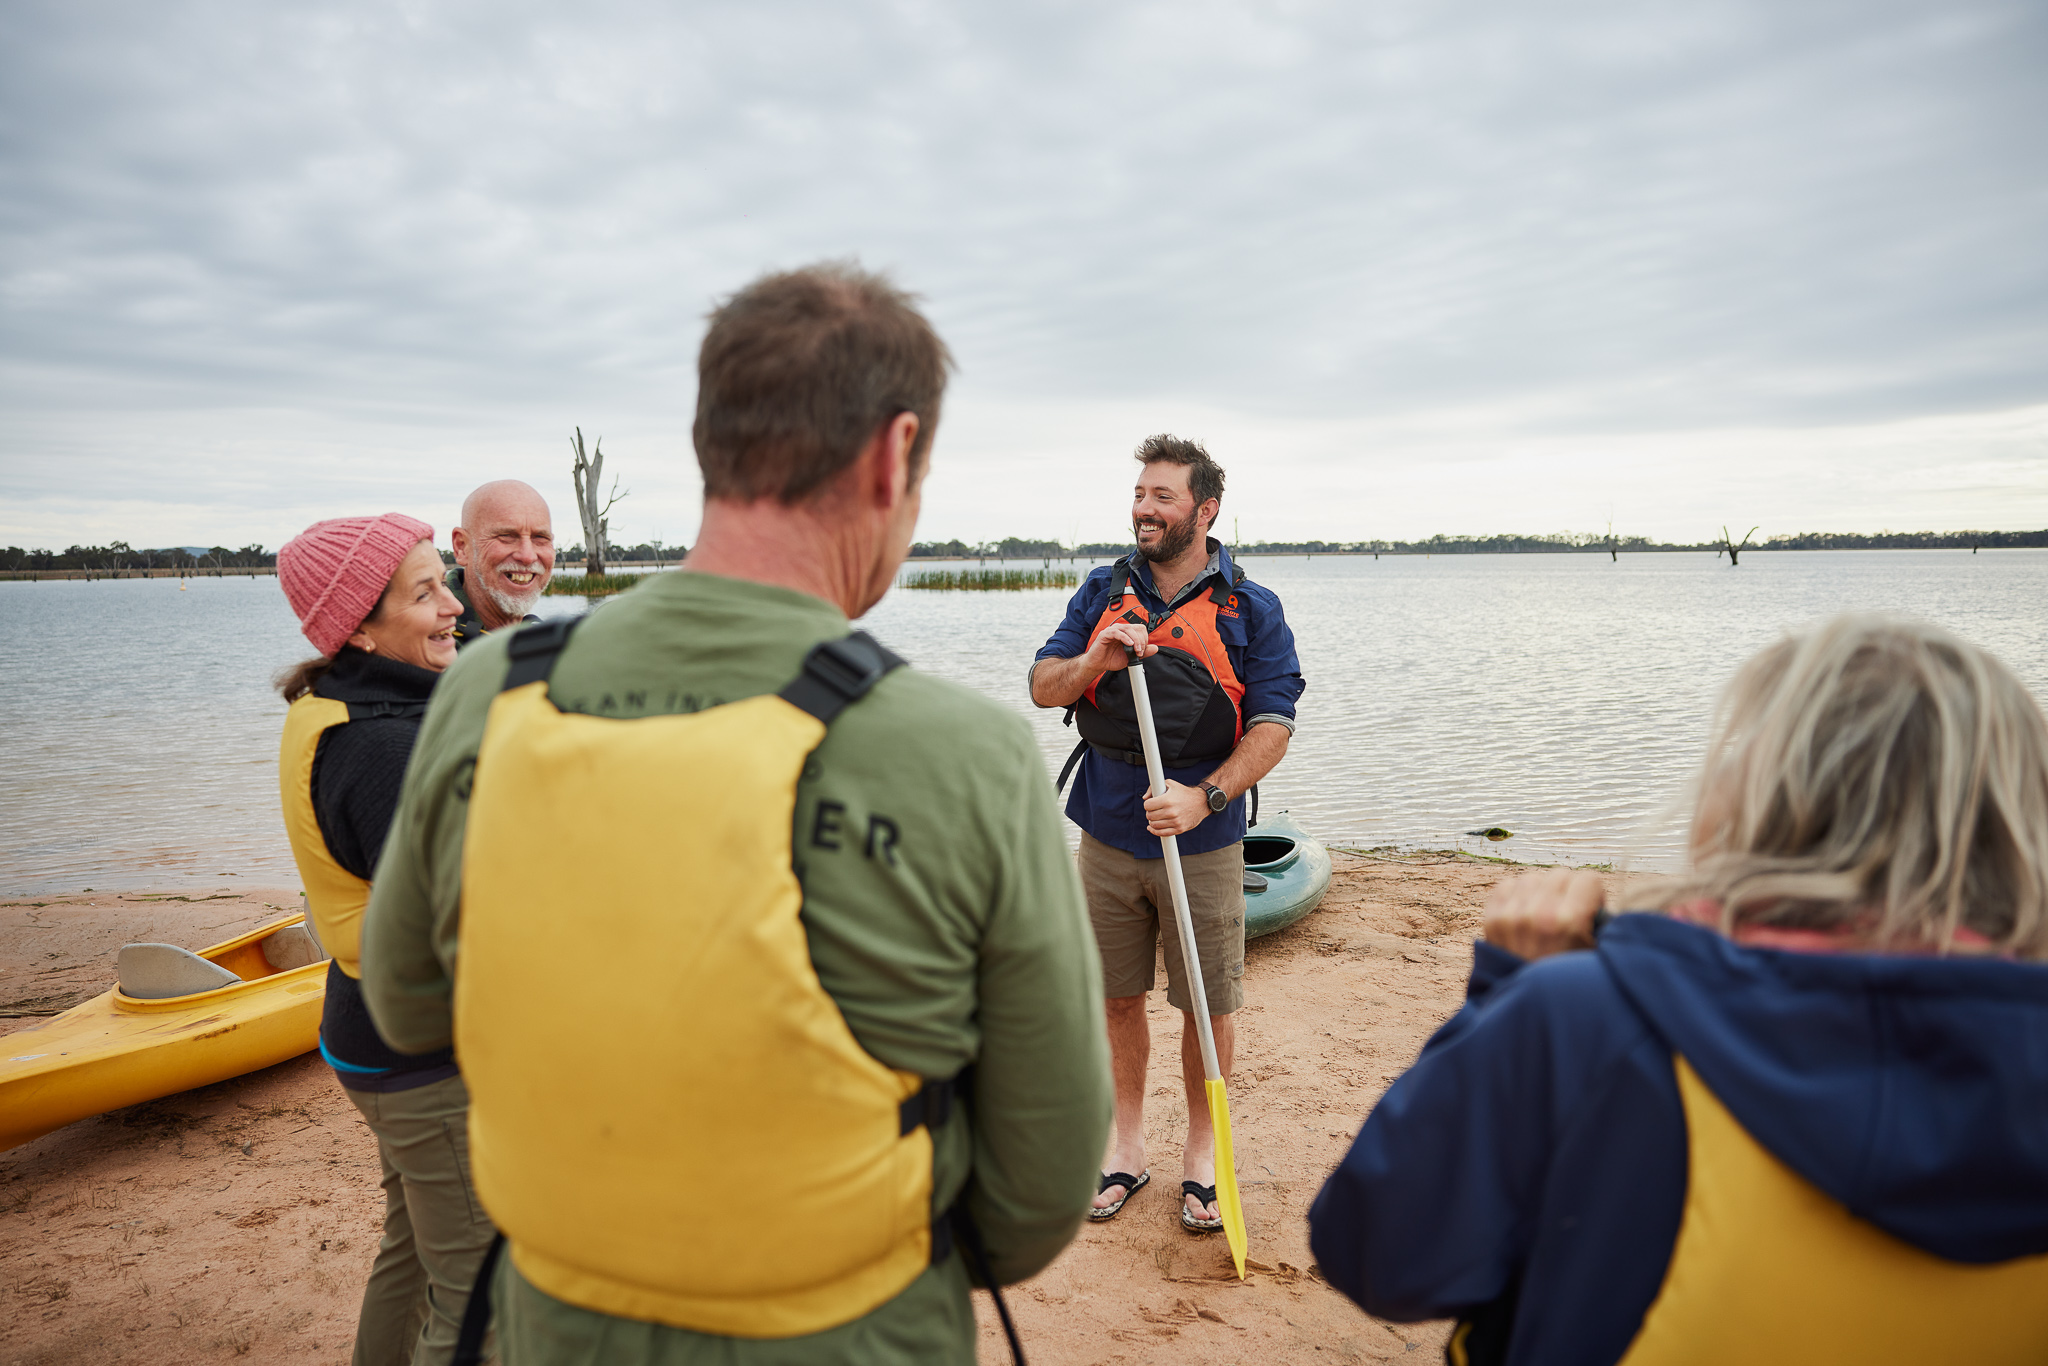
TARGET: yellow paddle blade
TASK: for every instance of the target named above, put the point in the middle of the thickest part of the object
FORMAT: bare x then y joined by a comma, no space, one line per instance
1228,1203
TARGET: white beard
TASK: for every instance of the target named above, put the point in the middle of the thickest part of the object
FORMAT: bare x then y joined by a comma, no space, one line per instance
510,604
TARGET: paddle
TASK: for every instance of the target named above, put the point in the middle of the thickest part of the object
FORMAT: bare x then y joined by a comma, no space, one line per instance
1228,1204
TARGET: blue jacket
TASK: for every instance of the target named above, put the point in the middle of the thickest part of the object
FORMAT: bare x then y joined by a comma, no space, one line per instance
1529,1173
1108,799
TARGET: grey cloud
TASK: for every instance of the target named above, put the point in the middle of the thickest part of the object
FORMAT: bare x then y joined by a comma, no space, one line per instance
1635,214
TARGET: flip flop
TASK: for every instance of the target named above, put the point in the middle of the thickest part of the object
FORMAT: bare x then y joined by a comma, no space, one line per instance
1131,1185
1188,1219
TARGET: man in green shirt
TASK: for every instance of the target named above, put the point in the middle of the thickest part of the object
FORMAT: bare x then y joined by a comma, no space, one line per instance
940,908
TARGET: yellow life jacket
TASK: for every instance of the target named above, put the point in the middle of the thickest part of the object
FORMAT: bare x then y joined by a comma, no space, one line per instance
335,897
1768,1269
669,1117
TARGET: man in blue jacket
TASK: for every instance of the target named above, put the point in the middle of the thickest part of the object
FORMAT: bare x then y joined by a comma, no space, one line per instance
1224,680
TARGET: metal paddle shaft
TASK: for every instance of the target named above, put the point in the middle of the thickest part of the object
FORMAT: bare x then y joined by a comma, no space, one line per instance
1155,772
1228,1201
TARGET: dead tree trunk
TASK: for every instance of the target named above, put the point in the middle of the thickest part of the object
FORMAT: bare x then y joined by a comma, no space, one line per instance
1735,548
588,472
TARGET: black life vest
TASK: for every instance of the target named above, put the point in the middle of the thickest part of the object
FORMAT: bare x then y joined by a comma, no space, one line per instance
1197,697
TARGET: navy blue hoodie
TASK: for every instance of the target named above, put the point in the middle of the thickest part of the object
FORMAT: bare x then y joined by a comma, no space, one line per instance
1528,1173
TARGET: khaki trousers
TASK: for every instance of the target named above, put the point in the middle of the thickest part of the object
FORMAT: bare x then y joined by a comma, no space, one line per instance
1131,907
435,1232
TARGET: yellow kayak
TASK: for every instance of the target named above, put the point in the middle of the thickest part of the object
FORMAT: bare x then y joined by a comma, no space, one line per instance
118,1049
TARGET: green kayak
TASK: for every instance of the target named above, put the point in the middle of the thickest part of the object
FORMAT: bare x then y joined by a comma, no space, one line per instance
1287,870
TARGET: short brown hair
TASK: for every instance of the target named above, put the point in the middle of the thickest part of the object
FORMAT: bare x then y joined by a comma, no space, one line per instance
798,371
1205,476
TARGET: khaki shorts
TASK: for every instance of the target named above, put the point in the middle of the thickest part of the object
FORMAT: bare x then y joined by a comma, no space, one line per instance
1130,907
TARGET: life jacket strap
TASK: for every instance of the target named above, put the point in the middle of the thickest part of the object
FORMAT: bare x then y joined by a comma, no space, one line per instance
534,650
1220,594
1135,758
476,1315
1120,579
932,1106
1073,762
956,1225
1122,756
838,673
1119,585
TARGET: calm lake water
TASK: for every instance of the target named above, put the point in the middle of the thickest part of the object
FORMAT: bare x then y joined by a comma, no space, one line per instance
1564,697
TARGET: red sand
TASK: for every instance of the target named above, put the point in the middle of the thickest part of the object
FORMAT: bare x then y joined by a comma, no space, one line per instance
241,1219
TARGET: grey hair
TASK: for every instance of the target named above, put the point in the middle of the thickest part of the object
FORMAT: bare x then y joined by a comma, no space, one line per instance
1881,775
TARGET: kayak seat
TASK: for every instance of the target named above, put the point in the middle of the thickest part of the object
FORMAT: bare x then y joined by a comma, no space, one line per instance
291,947
312,930
153,972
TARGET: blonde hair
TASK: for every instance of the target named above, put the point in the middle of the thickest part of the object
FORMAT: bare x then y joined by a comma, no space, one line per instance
1880,775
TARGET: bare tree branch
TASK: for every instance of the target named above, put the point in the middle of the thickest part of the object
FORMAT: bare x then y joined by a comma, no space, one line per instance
1734,547
588,472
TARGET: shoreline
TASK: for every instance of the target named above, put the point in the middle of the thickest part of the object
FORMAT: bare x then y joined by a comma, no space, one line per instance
156,886
226,572
241,1218
1407,550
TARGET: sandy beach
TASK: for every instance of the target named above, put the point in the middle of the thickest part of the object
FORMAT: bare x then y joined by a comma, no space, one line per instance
240,1220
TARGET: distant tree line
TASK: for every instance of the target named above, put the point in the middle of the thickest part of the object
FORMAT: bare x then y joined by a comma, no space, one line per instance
1009,548
1557,543
618,554
1016,548
121,555
1907,540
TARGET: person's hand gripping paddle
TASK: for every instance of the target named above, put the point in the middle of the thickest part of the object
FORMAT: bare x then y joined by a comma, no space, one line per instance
1228,1204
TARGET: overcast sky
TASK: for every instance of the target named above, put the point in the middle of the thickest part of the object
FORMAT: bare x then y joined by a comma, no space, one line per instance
1407,267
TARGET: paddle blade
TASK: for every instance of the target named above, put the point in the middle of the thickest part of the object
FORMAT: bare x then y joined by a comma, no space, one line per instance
1228,1202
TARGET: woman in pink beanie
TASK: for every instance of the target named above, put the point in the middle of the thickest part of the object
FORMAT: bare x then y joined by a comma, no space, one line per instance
369,596
336,573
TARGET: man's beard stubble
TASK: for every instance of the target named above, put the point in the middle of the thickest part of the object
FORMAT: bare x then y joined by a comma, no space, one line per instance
1174,539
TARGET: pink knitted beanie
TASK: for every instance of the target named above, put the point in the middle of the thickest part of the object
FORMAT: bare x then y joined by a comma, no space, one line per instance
334,571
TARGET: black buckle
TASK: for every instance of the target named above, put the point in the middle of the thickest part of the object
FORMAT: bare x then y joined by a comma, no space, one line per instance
836,674
932,1106
540,638
846,667
533,650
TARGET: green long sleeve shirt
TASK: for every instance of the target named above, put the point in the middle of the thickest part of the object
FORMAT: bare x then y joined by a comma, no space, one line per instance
942,910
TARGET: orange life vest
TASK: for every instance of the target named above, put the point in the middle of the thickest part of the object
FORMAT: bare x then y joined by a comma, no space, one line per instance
1197,697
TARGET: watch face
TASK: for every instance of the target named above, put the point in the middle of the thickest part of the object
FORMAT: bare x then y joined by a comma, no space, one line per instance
1217,801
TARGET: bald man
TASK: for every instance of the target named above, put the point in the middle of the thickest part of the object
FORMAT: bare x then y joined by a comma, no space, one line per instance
504,557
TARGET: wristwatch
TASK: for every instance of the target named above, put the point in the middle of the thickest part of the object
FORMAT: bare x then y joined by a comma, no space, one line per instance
1217,801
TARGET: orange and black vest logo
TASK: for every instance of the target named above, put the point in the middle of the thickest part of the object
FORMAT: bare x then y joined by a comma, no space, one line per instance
1197,697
